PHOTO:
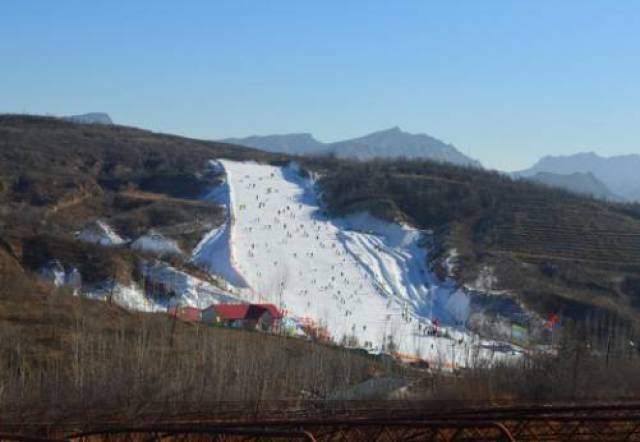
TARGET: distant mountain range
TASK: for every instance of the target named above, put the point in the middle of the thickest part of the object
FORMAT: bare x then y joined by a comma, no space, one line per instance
583,183
390,143
620,174
293,144
90,118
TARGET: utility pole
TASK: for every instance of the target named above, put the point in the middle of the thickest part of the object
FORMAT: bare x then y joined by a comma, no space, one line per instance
113,284
173,326
453,356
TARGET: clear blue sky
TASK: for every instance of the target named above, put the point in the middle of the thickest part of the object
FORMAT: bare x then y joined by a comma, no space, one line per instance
505,81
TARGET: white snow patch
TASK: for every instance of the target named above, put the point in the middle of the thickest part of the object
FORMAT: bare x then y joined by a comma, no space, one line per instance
184,289
175,288
214,167
130,297
55,273
215,252
100,233
451,262
156,243
486,282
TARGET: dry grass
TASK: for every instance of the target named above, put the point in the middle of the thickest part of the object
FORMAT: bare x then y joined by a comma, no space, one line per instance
59,352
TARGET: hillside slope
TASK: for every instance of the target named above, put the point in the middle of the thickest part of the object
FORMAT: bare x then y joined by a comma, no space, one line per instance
556,251
510,243
138,219
71,358
66,188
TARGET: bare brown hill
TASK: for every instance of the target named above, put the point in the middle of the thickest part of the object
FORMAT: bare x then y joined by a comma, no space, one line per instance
56,176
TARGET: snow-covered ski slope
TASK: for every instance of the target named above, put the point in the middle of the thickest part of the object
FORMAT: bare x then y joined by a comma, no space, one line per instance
358,275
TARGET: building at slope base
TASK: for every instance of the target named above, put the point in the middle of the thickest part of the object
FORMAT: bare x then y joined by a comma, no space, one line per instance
262,317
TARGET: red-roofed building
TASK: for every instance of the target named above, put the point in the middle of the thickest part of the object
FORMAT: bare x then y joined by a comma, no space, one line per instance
275,312
190,314
230,312
264,317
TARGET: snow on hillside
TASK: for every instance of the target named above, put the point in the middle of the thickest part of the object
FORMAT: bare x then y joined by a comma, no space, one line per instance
156,243
166,287
359,276
214,252
55,273
130,297
100,233
184,289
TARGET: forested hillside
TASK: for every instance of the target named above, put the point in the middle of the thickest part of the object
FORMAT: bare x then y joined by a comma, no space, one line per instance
558,251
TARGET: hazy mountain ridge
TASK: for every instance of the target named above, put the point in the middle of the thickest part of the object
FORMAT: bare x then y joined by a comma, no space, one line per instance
390,143
618,173
296,144
578,182
395,143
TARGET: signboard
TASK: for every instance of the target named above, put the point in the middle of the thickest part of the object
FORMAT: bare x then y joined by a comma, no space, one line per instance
519,334
553,321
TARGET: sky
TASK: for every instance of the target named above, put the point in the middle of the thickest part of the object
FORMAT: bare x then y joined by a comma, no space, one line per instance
504,81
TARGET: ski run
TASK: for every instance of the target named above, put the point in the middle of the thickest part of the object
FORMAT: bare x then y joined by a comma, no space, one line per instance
362,278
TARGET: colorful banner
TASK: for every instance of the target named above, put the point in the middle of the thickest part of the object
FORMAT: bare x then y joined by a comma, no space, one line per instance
519,334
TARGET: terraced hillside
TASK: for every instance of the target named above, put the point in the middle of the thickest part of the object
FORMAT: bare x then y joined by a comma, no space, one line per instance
558,251
573,230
